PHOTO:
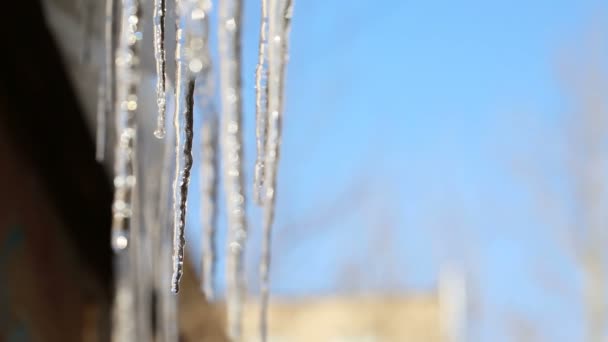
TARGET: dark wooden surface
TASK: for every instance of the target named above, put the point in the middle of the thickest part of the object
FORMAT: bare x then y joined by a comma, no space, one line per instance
55,199
42,118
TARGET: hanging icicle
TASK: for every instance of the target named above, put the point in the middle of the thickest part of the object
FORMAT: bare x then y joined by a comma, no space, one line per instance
106,82
123,308
280,12
139,252
261,106
128,78
194,76
168,316
209,177
232,146
199,62
191,56
86,9
100,138
166,319
127,66
160,55
183,122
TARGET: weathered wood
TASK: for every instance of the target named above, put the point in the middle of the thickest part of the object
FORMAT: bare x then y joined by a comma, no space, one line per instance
42,117
55,282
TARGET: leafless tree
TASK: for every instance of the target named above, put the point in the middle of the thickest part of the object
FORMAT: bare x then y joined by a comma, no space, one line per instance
575,206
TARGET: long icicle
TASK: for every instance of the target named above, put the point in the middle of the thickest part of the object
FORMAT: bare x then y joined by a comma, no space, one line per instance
127,66
123,307
201,68
167,302
139,267
100,137
86,9
128,79
280,13
183,122
160,56
106,83
209,177
209,168
229,34
261,106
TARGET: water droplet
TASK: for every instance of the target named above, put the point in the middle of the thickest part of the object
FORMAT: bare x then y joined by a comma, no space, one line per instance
159,133
198,14
196,65
121,243
231,24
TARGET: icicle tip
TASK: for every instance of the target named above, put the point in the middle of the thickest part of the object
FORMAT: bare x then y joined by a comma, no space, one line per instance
159,133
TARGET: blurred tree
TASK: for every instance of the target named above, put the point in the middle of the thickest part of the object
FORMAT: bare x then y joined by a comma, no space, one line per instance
586,135
521,328
573,198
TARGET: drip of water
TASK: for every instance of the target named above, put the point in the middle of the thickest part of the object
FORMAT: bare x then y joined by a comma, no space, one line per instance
161,63
280,13
183,122
128,78
229,31
261,106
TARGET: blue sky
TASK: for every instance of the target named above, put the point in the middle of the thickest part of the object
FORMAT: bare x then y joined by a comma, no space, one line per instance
413,115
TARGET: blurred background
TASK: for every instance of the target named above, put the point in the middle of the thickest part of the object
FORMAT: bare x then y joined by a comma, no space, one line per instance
443,177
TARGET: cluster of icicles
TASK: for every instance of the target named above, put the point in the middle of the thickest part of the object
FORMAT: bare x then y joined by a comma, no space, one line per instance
118,98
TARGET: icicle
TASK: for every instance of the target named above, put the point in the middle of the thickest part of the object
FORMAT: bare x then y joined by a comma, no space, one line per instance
123,308
100,140
199,62
261,106
140,270
105,90
161,63
183,123
209,171
127,315
280,13
86,9
230,79
167,302
127,66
